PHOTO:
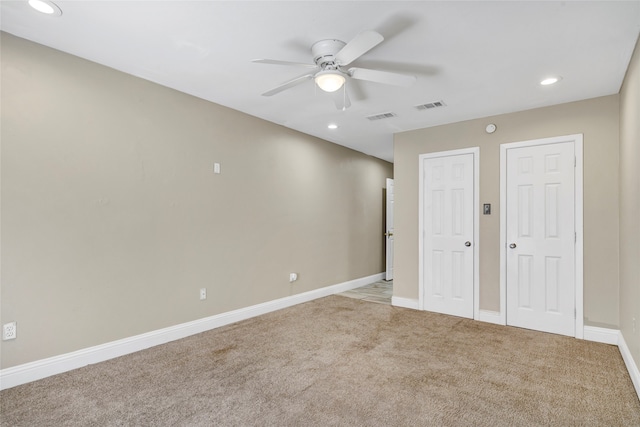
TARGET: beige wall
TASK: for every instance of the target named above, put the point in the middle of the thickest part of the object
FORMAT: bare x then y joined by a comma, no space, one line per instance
112,219
630,206
597,119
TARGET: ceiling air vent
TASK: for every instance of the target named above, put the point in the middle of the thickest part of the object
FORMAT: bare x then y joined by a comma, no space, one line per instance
381,116
431,105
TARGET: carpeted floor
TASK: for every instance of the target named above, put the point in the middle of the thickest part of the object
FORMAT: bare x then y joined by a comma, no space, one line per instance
343,362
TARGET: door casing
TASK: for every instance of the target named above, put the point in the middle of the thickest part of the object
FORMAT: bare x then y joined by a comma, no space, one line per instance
476,222
579,225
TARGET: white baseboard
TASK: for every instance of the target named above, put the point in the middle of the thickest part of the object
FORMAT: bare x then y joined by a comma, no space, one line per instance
632,366
603,335
615,337
490,317
21,374
405,302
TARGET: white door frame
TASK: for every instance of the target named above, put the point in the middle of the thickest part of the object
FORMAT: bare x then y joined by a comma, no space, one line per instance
578,201
476,223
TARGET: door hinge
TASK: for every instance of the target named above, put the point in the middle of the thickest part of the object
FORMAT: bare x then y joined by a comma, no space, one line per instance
575,162
575,237
575,314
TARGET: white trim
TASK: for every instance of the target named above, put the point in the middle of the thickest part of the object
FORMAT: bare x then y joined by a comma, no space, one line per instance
405,303
476,232
503,235
579,224
632,366
603,335
21,374
476,223
490,316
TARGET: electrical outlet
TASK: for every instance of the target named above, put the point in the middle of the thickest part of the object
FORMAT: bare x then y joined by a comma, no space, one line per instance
9,331
293,277
203,293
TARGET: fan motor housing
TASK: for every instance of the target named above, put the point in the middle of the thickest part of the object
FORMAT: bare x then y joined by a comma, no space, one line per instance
324,51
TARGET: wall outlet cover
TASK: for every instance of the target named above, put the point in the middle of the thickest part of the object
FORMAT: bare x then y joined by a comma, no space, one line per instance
9,331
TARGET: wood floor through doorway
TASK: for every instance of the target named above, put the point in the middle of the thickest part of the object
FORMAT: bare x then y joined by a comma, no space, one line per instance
380,292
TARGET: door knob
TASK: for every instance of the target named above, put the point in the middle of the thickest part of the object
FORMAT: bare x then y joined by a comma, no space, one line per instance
467,244
512,246
388,234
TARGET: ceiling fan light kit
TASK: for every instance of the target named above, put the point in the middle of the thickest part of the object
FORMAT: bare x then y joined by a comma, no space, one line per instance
330,56
329,80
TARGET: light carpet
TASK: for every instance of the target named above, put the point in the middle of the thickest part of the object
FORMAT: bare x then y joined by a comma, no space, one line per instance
342,362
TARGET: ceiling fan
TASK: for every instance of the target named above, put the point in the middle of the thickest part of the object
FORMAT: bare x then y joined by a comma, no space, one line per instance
329,70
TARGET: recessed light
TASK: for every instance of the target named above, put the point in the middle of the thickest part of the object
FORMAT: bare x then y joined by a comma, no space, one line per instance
333,126
46,7
550,80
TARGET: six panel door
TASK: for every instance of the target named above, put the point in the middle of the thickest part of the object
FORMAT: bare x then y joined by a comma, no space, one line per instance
448,234
540,237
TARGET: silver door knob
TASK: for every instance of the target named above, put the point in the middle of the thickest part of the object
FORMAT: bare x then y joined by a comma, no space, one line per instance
467,244
512,246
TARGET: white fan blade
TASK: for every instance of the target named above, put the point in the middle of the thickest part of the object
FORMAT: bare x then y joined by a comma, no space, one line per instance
341,98
278,62
384,77
361,44
289,84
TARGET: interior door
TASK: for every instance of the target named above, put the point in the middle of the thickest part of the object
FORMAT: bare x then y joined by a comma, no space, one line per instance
389,233
448,227
540,237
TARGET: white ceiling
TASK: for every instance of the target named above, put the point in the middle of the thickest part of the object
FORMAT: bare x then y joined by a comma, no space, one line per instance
481,58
